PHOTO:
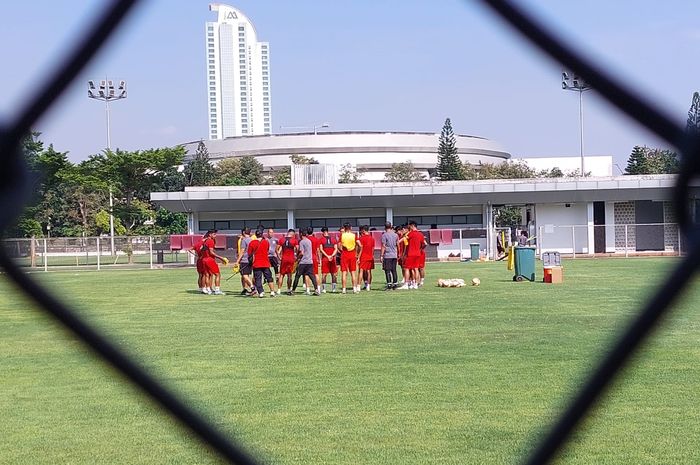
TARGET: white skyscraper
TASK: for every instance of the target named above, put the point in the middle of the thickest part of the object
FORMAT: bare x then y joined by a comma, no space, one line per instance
238,76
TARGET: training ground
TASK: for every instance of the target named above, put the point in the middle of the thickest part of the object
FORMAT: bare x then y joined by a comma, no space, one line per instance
440,376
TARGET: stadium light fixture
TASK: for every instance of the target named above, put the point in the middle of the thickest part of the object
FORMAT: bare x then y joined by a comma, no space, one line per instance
570,81
106,92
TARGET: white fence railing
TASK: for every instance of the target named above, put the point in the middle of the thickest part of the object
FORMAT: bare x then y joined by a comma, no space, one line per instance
615,240
94,252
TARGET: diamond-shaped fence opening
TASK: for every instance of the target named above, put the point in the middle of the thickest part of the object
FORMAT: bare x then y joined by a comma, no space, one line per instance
13,187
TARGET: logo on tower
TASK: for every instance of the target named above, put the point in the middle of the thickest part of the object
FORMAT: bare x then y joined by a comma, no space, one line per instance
231,15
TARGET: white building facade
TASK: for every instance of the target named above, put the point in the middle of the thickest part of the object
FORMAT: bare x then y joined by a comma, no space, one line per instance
238,76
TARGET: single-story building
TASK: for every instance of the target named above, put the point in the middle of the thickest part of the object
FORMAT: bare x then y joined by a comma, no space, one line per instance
584,215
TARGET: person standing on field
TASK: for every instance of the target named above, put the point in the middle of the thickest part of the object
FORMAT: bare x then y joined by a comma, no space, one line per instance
210,264
274,258
202,276
258,250
329,251
348,258
415,241
389,256
366,256
243,262
316,251
306,262
287,250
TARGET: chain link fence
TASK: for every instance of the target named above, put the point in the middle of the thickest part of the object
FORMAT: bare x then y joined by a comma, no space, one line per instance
15,191
94,253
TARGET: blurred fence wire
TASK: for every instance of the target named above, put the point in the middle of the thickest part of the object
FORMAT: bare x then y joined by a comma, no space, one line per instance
14,191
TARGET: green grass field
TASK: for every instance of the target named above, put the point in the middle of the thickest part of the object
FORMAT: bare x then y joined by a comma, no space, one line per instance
443,376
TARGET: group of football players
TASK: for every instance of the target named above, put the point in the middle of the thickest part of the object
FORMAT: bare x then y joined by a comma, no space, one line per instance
313,259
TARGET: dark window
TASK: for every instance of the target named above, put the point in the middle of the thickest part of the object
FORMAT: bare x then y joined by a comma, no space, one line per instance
206,225
335,223
427,220
303,223
318,223
352,221
444,219
474,219
221,225
399,220
236,225
377,221
459,219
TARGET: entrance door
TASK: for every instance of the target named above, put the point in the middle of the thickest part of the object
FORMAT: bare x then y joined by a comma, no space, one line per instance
648,235
599,227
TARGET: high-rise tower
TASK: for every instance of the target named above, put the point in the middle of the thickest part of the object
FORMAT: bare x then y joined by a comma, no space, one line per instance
238,76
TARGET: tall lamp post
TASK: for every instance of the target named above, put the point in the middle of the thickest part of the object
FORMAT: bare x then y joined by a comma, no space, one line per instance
570,81
106,92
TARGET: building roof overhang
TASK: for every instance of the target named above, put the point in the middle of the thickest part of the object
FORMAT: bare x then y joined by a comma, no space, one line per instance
418,194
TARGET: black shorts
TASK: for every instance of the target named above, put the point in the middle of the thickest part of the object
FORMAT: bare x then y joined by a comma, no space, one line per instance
389,264
263,273
275,263
246,268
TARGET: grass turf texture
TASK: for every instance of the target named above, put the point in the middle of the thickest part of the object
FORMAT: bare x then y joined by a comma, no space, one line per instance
450,376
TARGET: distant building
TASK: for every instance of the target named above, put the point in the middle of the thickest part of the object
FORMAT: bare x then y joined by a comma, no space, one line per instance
238,76
372,153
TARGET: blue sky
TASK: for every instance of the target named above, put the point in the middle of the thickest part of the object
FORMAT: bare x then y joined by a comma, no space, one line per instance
362,65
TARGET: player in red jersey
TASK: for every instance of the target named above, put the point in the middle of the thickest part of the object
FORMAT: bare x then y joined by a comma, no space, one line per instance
209,262
316,251
401,250
329,251
258,251
415,241
366,256
202,276
287,250
421,262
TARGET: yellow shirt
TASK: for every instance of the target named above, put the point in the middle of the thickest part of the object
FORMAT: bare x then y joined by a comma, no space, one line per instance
347,239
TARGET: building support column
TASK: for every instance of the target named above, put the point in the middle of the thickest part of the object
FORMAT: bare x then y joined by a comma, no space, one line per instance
591,228
291,222
488,223
192,228
390,215
193,223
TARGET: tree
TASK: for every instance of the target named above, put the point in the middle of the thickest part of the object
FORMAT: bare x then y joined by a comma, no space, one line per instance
693,123
239,171
506,170
644,160
555,172
281,176
199,171
86,195
403,172
302,160
348,174
637,162
133,175
507,216
449,166
168,222
102,224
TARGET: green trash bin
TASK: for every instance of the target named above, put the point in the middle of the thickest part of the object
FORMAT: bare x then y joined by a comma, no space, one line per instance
474,247
524,263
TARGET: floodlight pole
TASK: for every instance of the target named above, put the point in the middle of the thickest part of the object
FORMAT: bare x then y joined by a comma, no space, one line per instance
571,81
106,92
